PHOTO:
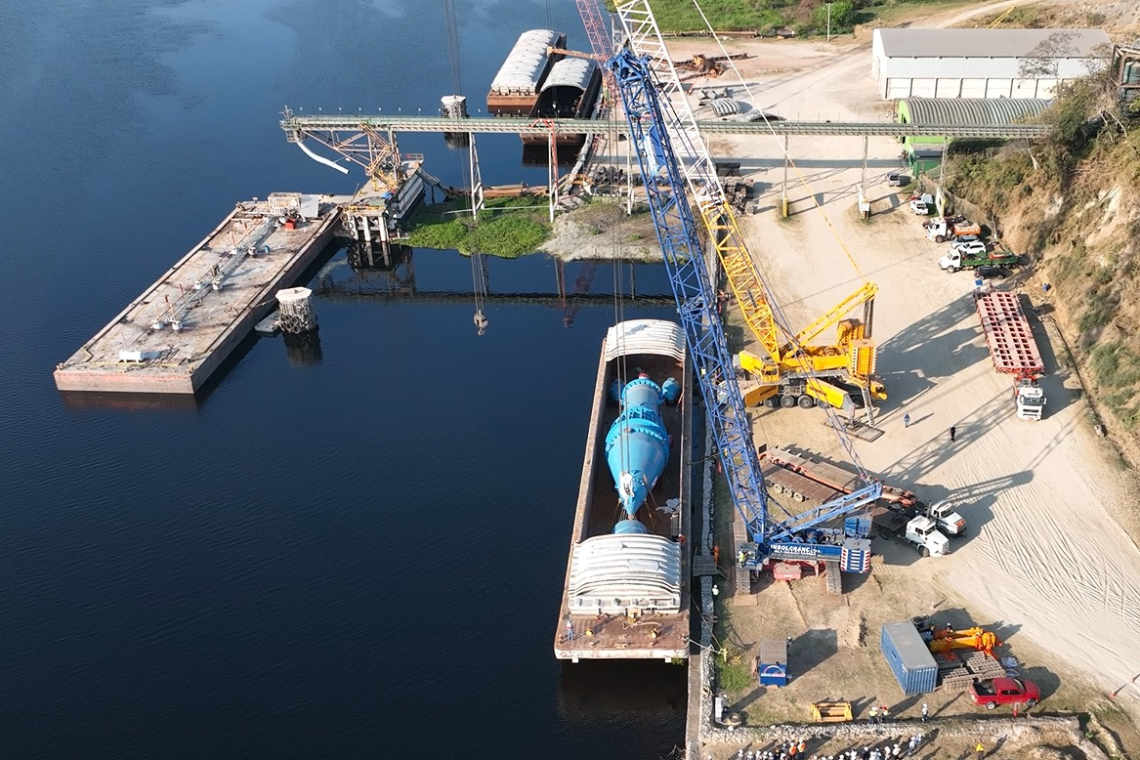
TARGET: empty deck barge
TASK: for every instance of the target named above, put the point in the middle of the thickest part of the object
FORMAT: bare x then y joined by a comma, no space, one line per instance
172,337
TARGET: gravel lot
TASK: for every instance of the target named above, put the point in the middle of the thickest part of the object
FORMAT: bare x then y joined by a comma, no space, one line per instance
1046,562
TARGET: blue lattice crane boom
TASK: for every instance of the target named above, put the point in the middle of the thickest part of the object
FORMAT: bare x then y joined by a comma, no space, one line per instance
696,299
646,113
812,518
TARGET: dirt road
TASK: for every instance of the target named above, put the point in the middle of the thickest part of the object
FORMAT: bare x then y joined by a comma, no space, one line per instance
1045,559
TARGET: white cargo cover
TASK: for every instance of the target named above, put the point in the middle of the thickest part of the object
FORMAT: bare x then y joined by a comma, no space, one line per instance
658,337
570,72
614,574
521,71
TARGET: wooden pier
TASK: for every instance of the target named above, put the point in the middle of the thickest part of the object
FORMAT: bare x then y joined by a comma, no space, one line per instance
173,336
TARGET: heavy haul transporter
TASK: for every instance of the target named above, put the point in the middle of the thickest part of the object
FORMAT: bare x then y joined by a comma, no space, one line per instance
1013,349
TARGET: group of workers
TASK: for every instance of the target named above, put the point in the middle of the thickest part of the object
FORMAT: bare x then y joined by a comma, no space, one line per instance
795,751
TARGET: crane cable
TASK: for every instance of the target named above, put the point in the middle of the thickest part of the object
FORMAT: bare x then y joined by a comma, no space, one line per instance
832,417
619,302
478,262
787,156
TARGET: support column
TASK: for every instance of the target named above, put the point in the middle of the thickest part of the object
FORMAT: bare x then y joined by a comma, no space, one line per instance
476,176
864,204
295,311
628,177
553,173
784,202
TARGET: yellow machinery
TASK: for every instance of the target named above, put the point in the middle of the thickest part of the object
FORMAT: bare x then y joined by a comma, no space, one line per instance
972,638
787,370
798,371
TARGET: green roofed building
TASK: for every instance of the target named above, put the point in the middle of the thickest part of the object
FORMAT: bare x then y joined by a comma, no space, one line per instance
921,150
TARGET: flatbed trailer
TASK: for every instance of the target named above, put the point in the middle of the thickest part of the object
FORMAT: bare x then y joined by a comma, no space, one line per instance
835,476
795,486
1008,334
1013,348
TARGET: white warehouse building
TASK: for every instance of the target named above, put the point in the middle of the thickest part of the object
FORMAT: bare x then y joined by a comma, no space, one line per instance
982,63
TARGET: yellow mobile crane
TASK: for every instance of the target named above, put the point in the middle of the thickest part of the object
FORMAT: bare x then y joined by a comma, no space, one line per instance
799,372
786,371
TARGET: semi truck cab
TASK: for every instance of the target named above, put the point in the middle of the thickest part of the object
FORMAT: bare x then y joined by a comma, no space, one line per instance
1030,399
945,514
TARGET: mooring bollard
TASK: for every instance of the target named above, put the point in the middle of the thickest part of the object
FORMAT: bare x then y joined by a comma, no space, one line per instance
296,313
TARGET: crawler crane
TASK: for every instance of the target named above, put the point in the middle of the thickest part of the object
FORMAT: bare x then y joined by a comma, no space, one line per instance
806,537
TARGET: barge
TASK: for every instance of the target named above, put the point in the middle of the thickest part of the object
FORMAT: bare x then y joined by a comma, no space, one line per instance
515,89
569,92
627,590
171,338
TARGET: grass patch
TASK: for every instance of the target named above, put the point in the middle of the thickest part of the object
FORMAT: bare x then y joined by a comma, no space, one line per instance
1117,370
506,228
724,15
733,677
805,17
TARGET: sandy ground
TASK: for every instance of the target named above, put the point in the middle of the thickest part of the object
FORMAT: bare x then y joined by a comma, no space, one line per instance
1045,562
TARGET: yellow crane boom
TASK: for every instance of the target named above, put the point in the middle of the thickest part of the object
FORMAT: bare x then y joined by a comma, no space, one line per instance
779,364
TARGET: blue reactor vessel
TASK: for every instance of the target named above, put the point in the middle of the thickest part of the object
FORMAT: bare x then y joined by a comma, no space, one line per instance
637,445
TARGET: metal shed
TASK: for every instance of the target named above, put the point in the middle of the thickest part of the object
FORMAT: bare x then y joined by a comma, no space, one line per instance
772,664
982,63
965,111
910,659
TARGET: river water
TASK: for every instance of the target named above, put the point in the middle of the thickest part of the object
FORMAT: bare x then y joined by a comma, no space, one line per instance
354,549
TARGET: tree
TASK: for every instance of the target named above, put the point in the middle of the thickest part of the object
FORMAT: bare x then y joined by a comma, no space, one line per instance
1043,61
842,16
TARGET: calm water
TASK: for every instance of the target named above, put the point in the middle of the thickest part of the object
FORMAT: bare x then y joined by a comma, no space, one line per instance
355,551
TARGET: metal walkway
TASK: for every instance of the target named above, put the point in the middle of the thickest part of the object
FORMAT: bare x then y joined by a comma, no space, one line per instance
296,126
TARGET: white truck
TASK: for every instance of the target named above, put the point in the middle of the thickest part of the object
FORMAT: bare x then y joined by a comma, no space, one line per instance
945,514
1030,399
922,204
920,532
951,228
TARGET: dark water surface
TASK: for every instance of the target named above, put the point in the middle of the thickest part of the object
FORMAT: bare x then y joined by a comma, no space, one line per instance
355,551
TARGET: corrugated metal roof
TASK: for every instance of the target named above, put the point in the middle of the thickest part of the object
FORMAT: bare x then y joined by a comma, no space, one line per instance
520,73
570,72
645,336
614,573
972,111
908,643
983,43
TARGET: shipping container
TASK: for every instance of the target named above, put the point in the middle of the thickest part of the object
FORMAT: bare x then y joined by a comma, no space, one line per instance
910,659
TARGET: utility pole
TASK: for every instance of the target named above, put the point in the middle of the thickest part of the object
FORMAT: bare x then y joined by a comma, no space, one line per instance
829,22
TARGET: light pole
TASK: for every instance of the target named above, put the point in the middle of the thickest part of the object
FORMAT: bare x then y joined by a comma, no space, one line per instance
829,22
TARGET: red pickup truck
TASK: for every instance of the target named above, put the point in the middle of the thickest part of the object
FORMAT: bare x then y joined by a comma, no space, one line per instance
1005,691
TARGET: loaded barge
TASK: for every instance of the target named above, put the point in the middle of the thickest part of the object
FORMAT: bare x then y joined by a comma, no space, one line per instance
627,592
515,89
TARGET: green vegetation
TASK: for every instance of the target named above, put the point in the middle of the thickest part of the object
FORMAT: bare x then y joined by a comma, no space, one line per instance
1117,372
733,669
1003,180
733,676
804,17
507,227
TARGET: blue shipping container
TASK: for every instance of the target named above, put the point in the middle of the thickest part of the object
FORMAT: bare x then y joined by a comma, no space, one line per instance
910,659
